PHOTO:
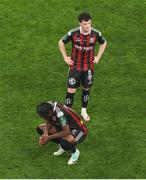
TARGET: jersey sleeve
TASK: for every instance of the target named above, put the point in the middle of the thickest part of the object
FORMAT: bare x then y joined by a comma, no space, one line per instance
67,37
62,119
100,38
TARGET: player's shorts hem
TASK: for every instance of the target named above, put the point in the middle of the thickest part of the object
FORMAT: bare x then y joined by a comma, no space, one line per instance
79,137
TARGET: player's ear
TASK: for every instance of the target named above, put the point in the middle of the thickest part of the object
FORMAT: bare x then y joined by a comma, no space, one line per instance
50,114
80,23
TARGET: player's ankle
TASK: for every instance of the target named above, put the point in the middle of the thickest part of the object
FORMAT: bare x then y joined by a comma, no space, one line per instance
83,110
84,114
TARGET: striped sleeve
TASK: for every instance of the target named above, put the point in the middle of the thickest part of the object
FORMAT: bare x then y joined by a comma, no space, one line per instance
99,36
67,37
61,116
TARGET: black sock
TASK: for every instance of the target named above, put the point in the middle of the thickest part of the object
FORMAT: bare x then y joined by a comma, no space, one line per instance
67,146
85,98
69,99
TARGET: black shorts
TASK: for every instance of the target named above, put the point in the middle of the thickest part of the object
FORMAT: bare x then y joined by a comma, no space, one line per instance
79,135
75,78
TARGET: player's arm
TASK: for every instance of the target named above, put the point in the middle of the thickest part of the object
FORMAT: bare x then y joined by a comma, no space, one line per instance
102,47
42,138
65,127
62,48
47,128
100,52
65,131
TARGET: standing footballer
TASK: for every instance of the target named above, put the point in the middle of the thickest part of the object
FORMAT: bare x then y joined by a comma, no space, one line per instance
81,62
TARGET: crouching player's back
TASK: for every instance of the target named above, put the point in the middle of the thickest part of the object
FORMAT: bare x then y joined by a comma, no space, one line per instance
63,126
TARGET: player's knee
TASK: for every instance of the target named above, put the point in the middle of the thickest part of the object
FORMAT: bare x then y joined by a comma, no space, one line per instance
66,145
39,131
71,90
86,89
70,139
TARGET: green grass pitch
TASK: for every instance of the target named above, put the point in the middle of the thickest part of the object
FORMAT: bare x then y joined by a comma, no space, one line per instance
32,70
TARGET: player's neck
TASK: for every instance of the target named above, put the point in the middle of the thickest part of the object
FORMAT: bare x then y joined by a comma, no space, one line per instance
82,31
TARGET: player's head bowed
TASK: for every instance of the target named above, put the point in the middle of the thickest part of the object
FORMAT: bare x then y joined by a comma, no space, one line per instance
44,110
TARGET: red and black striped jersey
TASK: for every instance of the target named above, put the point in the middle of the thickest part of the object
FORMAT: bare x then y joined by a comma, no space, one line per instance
83,46
63,115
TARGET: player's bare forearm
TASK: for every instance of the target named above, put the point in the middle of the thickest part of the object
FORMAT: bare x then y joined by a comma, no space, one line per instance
60,134
62,48
47,128
100,52
45,134
101,49
63,52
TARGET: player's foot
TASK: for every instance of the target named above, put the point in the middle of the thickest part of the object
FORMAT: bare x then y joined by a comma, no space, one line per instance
74,157
84,114
59,152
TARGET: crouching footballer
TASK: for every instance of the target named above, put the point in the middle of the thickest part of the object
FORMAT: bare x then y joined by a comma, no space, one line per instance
62,126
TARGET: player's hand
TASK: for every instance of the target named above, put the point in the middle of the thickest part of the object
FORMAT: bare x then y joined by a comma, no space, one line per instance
68,60
44,135
96,59
43,139
41,142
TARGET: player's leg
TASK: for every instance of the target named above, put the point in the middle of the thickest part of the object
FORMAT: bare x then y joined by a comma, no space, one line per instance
76,137
72,84
87,82
85,99
70,97
69,142
66,144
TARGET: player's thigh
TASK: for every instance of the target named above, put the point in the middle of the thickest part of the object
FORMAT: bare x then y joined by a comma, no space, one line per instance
73,79
55,129
79,135
70,138
76,136
87,79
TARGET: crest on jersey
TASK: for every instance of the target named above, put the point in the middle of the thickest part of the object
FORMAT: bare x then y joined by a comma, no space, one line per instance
92,40
78,39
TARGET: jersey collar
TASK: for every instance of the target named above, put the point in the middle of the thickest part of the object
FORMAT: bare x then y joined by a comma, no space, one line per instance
85,33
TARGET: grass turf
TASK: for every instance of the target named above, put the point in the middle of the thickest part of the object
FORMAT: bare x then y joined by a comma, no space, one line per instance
32,70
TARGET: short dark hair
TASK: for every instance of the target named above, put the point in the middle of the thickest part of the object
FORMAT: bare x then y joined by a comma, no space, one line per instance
84,16
43,110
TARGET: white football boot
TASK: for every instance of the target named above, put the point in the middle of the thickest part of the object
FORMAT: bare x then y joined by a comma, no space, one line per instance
59,152
74,157
84,114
